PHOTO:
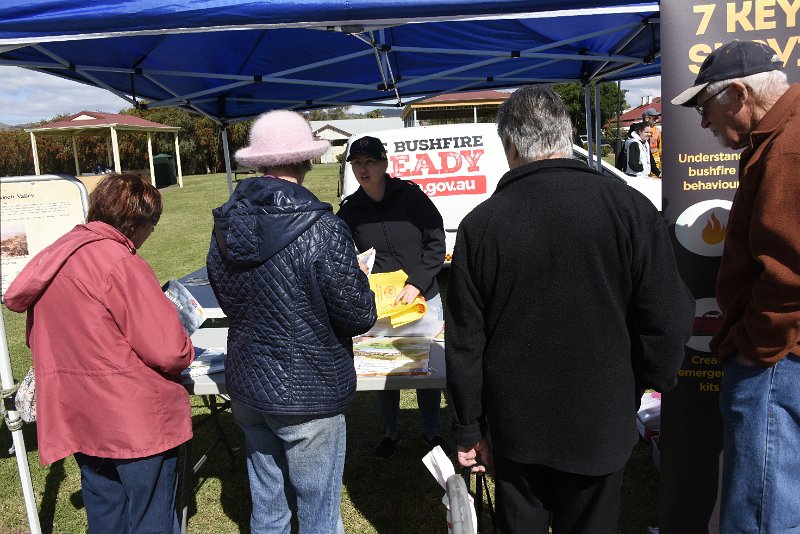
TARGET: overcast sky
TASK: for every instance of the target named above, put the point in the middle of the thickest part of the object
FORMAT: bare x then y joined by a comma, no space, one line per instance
27,96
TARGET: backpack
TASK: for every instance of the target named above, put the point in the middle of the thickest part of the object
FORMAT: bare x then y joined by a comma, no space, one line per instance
621,159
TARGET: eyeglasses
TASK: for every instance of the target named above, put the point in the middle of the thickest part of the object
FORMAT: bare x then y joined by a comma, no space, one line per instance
702,108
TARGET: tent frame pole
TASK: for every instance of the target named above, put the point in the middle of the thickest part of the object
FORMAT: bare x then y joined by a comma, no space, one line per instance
589,134
227,153
597,129
14,424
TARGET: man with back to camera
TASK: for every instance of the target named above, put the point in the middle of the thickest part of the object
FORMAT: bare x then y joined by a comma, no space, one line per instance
564,300
745,100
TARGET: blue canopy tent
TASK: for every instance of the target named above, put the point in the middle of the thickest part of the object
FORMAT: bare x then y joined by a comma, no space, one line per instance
234,60
231,60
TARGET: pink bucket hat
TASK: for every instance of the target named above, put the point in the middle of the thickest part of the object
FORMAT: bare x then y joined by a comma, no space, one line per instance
280,138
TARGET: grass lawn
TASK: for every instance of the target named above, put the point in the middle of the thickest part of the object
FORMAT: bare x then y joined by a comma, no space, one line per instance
394,496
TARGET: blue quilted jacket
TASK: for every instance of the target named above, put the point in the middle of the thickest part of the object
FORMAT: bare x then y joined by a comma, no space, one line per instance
284,270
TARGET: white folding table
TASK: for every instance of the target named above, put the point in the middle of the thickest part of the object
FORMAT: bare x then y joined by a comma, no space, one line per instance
212,385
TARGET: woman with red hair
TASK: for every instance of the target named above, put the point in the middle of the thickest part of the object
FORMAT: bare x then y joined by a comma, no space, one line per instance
107,349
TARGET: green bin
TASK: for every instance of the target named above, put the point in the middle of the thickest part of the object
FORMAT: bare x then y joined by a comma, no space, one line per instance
164,166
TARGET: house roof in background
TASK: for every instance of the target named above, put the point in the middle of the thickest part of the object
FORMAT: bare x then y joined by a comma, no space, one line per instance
460,99
350,127
467,97
635,114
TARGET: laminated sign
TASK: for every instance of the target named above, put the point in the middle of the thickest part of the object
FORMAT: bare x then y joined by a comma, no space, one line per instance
386,287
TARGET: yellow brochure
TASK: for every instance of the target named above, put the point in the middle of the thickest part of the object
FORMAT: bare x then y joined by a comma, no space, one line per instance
386,287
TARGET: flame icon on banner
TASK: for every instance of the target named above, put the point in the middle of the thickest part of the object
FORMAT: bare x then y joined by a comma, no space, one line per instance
714,232
701,228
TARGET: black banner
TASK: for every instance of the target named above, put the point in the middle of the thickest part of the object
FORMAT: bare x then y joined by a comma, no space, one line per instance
700,178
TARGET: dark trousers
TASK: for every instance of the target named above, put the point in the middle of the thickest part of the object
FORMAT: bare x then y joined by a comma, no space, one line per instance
529,496
130,496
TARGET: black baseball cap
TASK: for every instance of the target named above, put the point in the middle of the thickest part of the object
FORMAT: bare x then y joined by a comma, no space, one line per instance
370,146
736,59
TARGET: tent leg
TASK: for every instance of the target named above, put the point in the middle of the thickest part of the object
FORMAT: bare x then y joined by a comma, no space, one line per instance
13,421
589,132
226,151
598,136
618,144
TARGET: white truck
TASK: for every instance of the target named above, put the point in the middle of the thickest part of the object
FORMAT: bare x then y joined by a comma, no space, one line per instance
458,167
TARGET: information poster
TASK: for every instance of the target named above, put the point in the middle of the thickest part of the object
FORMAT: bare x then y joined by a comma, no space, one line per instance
33,214
702,178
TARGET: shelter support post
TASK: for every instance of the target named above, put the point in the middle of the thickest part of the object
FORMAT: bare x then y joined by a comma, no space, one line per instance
35,151
109,153
598,136
227,153
178,161
14,423
75,154
475,114
150,159
115,148
588,105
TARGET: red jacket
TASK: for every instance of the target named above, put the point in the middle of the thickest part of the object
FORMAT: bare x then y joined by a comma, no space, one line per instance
107,346
758,285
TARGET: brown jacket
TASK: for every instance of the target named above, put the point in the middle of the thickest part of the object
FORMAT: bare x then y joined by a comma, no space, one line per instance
758,286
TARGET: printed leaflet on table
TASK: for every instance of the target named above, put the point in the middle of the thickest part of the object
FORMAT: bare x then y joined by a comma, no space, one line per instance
206,362
383,356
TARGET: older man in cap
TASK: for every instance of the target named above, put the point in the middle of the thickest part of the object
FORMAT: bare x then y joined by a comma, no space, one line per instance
746,102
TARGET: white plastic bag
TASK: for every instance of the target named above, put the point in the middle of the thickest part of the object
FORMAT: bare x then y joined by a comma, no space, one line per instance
25,399
442,470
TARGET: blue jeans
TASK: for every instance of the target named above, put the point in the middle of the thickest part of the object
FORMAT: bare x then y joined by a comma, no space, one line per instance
130,496
761,464
294,463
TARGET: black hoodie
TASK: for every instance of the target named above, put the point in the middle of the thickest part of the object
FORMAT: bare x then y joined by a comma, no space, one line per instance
405,229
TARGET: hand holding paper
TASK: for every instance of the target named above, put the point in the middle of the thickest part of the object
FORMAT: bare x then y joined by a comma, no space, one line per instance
366,260
389,289
407,295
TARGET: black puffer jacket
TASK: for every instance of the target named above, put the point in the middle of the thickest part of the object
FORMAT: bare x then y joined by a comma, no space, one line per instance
405,228
284,270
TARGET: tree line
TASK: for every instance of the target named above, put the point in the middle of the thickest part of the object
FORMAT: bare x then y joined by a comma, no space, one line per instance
200,141
200,138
